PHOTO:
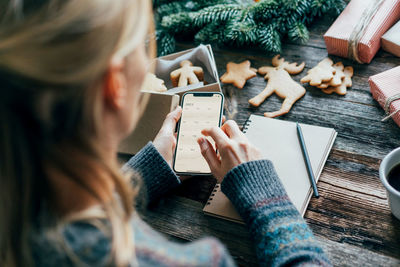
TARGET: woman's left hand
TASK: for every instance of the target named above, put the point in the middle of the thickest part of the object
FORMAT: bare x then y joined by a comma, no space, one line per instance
165,140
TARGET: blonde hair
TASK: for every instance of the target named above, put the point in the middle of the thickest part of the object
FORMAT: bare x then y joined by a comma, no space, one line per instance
53,55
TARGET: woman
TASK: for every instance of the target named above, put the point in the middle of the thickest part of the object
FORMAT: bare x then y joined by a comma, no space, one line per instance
70,75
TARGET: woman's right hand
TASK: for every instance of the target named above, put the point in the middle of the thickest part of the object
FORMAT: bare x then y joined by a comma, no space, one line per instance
233,146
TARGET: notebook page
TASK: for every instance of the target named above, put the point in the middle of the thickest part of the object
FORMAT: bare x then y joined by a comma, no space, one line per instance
277,140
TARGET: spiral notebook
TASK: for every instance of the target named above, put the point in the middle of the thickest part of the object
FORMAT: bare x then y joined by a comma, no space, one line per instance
277,140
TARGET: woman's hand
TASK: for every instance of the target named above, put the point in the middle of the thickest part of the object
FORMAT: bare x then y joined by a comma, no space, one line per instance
233,147
165,140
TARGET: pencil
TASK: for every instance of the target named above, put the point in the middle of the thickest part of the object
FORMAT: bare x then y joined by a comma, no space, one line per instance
307,160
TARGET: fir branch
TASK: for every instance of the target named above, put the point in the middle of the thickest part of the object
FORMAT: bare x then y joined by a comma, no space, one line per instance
240,32
320,7
165,43
295,6
337,7
269,38
207,3
240,22
283,23
216,14
303,8
179,22
212,33
157,3
298,33
264,10
170,8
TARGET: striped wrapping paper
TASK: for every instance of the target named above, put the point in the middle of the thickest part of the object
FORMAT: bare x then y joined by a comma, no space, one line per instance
391,40
384,85
338,35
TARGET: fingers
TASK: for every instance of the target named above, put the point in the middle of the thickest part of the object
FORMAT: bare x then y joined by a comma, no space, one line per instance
231,128
217,134
223,119
175,115
170,121
209,154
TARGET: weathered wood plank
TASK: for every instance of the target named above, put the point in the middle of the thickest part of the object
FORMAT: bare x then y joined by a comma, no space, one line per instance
346,255
359,217
351,162
182,220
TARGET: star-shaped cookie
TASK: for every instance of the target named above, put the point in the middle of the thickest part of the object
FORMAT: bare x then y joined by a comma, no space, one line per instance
238,74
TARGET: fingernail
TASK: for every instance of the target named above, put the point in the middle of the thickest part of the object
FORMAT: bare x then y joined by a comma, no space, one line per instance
201,142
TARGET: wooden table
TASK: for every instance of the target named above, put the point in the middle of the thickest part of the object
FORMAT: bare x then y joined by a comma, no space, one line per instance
351,218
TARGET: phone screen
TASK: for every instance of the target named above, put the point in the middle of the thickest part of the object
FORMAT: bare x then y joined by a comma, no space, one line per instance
199,111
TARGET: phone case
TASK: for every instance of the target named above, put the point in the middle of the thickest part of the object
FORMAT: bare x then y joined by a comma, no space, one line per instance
178,128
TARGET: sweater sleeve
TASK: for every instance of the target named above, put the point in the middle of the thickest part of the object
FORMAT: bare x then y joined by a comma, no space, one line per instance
281,235
157,175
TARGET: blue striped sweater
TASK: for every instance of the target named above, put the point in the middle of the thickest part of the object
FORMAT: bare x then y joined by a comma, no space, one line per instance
281,236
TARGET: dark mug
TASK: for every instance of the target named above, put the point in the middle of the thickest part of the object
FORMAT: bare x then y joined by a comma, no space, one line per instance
390,167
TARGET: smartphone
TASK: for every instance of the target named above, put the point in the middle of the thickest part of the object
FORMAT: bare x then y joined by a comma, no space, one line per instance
200,110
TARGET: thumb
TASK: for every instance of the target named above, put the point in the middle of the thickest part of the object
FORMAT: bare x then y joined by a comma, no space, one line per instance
171,120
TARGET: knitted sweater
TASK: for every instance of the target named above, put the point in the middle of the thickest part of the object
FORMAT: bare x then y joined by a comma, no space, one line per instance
281,236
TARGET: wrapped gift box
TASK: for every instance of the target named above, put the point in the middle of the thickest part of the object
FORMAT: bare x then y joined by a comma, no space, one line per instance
385,88
160,104
357,32
391,40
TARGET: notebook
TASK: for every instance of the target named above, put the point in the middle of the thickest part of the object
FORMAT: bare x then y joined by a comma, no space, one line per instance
277,140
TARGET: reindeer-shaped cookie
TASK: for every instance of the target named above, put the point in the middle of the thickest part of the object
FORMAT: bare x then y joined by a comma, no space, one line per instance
280,82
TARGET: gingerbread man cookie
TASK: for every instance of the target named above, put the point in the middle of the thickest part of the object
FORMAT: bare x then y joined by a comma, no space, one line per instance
187,74
153,84
322,72
238,74
342,89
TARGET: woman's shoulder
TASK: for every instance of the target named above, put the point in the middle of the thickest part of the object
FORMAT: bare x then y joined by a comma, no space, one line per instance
72,244
153,249
89,243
